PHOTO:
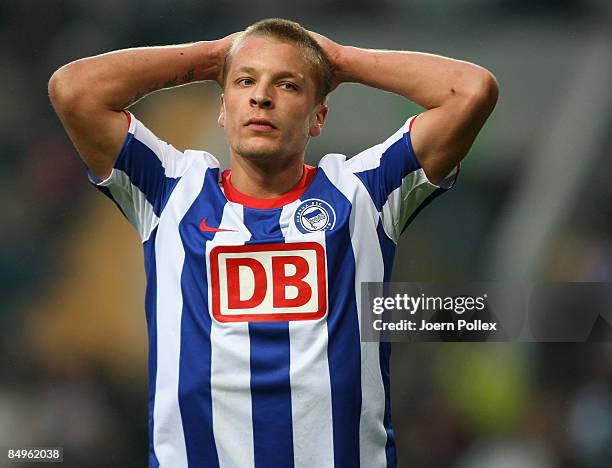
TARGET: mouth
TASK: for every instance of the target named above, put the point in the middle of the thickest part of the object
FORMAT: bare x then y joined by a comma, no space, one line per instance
260,125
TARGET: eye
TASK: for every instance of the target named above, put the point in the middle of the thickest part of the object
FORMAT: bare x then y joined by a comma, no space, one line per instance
291,85
244,79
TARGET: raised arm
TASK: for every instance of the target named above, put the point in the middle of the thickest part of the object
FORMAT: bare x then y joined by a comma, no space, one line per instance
89,94
459,97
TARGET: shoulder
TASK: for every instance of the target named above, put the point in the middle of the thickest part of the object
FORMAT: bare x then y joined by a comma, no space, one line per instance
333,162
202,158
174,161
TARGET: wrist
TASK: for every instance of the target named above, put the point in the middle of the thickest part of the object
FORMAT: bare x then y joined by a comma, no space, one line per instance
341,63
209,56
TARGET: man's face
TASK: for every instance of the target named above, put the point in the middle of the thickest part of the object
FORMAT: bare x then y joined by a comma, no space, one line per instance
270,80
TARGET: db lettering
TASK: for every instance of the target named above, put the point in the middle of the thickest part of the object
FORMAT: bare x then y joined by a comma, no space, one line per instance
268,282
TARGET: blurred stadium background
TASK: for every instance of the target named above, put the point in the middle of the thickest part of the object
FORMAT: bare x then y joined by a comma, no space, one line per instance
534,201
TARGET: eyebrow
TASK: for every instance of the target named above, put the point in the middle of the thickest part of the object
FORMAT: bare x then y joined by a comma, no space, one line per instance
281,74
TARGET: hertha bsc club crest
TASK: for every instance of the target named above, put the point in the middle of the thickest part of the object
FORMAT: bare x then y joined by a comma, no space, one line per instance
315,215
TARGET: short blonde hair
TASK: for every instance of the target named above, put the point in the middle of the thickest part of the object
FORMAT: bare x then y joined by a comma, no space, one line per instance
293,33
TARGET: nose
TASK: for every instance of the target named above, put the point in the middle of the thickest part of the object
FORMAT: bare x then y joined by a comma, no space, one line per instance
261,97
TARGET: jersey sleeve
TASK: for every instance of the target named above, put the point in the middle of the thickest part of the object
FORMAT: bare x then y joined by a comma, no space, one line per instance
144,174
395,180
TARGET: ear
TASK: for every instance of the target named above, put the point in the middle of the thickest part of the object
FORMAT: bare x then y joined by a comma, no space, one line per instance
221,118
318,119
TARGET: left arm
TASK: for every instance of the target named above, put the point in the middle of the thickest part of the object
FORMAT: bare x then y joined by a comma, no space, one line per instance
459,97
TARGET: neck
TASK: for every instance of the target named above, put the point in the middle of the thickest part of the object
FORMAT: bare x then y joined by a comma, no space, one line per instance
269,179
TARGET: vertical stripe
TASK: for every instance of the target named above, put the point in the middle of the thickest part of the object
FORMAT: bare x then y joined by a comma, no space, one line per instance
343,351
195,361
387,248
390,451
369,266
230,366
169,437
270,386
311,405
271,394
151,313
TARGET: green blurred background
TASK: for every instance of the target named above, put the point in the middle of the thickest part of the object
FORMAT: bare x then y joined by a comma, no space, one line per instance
533,202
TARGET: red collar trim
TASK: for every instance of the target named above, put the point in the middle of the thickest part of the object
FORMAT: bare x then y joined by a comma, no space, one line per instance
296,192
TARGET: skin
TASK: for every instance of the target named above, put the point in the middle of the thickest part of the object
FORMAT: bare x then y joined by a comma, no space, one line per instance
89,96
267,164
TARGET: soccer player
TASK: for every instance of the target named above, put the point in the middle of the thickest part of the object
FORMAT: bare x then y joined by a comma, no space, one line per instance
254,272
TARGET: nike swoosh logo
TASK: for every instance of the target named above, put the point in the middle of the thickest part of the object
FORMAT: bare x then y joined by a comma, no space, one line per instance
204,227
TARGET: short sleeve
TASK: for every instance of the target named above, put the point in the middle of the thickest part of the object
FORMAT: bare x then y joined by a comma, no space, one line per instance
145,172
395,180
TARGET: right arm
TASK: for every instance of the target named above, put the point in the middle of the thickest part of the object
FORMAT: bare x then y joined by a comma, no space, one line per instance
89,94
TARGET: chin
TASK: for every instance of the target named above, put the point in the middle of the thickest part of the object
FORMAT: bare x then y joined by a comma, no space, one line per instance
259,156
259,152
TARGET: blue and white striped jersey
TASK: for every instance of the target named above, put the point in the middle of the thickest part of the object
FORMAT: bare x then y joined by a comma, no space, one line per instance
253,306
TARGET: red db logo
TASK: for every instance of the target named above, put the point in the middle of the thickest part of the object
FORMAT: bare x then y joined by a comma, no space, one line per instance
268,282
